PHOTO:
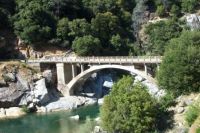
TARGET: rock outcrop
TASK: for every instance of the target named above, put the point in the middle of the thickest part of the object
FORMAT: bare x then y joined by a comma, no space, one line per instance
11,96
40,92
193,21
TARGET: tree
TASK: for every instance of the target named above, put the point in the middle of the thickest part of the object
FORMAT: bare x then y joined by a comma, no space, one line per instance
128,108
63,29
179,71
33,23
104,25
65,8
79,28
86,46
159,35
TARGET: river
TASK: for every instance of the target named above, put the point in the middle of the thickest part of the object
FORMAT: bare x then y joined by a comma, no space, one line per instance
55,122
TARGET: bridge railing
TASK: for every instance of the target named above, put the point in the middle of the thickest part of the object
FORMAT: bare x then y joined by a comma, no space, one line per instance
101,59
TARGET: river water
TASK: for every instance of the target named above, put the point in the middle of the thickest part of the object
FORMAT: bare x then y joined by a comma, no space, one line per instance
55,122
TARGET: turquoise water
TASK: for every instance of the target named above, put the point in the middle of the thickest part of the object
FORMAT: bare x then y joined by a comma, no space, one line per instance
56,122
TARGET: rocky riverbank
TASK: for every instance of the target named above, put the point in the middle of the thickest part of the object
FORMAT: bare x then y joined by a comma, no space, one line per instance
23,88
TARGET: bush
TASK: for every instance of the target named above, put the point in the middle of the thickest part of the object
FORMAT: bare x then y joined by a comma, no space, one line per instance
179,71
128,108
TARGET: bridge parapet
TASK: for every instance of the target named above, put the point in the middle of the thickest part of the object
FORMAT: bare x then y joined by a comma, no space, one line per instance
101,59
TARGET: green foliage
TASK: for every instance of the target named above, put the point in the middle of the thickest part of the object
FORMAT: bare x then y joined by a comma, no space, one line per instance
63,29
179,71
167,101
160,11
86,45
175,10
189,5
25,109
198,130
104,25
79,28
33,22
160,34
124,107
192,113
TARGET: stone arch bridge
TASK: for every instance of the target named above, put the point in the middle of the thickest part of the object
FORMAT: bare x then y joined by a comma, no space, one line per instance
70,70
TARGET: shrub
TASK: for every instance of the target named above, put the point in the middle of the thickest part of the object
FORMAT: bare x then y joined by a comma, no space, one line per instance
128,108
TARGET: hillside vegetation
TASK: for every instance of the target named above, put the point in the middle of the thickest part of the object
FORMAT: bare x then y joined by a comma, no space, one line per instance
111,25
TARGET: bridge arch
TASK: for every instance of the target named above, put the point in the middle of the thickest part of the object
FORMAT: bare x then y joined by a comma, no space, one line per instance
87,73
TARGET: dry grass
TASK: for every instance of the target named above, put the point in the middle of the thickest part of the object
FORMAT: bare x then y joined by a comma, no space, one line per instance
23,69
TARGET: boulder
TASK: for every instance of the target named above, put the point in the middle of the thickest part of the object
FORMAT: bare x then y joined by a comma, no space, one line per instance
193,21
180,110
41,92
37,77
2,113
9,77
47,74
65,103
107,84
14,112
11,96
139,79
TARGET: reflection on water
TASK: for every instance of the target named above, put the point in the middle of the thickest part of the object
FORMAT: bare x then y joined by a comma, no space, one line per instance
56,122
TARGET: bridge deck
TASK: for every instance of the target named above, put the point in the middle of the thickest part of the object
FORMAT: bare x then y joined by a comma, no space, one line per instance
101,60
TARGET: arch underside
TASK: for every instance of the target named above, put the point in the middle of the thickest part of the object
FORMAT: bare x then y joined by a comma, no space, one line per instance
87,73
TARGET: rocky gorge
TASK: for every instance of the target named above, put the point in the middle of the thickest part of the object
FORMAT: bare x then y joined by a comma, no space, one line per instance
22,86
